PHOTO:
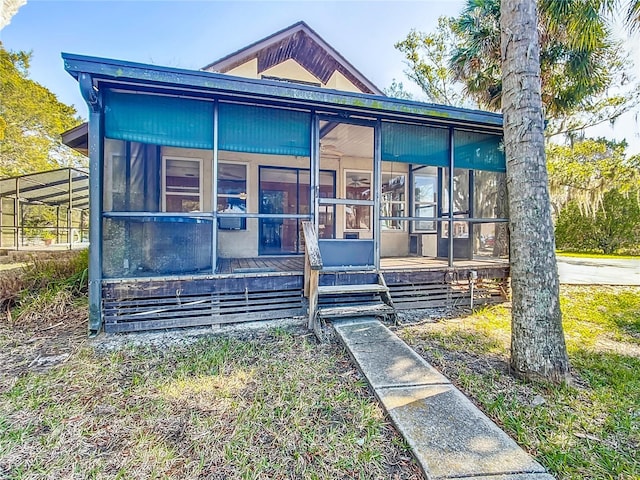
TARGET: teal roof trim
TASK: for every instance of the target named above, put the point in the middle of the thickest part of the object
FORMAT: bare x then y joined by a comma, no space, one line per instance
168,78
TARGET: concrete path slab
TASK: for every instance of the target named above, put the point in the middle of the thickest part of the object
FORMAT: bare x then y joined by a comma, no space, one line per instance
386,359
449,436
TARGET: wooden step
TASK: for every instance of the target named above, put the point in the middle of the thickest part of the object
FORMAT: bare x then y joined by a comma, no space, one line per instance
348,289
356,311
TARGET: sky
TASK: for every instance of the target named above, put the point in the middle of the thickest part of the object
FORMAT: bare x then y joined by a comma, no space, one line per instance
192,34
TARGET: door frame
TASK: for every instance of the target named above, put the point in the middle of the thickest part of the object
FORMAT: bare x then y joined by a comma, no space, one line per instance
346,244
459,248
261,221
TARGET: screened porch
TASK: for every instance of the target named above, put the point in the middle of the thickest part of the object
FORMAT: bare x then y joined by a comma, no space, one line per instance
189,184
234,181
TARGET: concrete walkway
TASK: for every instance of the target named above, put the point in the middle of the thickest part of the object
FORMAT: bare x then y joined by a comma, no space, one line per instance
449,436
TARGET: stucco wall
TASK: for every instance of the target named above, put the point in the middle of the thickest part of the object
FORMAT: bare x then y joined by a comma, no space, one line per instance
246,70
244,243
292,70
339,82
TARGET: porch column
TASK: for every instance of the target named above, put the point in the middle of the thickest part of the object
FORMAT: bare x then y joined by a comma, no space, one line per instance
214,191
314,171
377,191
93,97
451,159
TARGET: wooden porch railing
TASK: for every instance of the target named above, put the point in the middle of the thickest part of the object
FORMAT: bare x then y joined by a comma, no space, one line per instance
312,267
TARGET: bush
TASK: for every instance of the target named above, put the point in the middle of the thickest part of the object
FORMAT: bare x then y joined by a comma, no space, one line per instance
615,226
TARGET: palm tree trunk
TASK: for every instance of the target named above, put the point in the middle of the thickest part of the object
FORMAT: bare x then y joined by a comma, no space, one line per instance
538,348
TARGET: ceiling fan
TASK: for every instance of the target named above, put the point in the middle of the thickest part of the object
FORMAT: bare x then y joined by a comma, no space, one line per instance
359,182
330,149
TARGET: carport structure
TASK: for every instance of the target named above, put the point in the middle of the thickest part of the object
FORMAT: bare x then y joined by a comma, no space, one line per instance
40,209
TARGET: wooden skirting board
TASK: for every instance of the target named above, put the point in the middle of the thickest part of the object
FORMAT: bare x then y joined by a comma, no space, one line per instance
148,304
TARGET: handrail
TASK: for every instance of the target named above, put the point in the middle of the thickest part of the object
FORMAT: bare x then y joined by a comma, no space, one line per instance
312,267
311,248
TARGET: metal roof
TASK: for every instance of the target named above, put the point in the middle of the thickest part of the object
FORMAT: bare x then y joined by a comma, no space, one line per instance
176,81
63,186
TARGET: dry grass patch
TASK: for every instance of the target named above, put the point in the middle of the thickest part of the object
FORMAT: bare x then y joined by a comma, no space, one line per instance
277,405
587,430
264,404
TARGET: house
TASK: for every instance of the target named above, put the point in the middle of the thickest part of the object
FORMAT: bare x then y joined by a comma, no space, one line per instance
200,182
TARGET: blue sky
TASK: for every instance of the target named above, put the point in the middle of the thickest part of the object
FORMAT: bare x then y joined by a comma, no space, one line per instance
191,34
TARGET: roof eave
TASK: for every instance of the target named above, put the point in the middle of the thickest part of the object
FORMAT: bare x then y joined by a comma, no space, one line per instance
103,69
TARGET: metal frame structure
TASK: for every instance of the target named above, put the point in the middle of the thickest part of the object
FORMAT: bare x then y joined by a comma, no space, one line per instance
63,188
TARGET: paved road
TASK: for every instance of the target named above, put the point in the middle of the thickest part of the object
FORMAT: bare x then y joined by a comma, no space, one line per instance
599,271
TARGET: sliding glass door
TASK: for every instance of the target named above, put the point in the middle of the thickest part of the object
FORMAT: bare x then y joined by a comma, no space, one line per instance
288,191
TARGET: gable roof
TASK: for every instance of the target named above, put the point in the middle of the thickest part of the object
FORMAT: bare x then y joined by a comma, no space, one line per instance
300,43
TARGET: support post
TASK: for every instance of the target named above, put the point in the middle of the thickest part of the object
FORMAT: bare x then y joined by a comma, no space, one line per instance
93,98
16,215
70,212
451,197
314,169
312,267
214,191
1,222
58,224
377,191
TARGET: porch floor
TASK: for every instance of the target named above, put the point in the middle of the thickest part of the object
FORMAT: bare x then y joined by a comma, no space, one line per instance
295,264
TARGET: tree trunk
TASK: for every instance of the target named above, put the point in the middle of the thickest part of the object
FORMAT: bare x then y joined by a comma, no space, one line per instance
538,350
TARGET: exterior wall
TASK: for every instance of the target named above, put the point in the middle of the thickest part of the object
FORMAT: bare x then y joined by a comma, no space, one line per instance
339,82
394,244
206,156
244,243
292,70
246,70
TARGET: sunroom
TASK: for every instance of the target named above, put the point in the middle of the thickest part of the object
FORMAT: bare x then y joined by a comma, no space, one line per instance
201,182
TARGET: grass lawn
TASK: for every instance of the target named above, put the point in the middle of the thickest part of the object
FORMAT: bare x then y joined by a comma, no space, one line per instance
275,404
588,430
270,405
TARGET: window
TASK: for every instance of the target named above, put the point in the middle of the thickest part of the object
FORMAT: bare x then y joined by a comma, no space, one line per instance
424,199
232,195
357,187
182,184
392,203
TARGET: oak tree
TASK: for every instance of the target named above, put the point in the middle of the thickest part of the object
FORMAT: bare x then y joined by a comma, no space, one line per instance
31,121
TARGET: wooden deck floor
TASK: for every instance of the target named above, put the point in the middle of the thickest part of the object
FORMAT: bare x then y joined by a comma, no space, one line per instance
261,264
295,264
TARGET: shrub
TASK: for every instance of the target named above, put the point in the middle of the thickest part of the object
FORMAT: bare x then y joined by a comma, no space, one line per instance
615,226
